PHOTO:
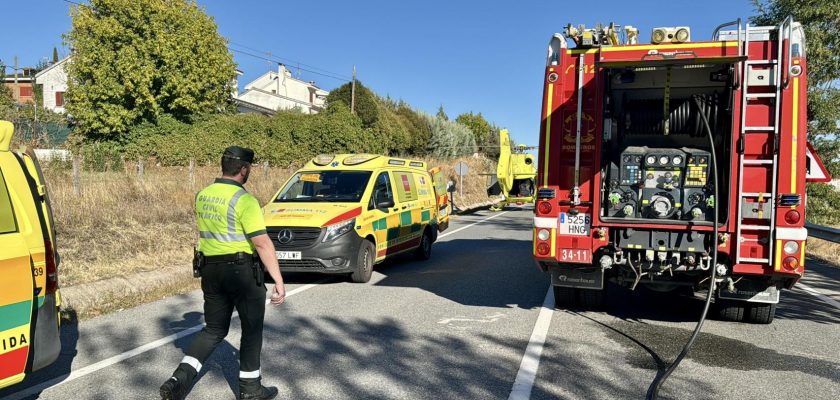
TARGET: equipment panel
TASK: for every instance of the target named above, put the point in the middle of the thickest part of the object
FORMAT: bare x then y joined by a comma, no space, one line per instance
660,183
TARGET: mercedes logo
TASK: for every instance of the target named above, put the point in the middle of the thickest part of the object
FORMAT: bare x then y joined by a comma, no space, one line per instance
285,236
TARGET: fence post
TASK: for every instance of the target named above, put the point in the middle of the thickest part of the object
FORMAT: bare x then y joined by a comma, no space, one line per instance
140,169
265,166
192,173
76,189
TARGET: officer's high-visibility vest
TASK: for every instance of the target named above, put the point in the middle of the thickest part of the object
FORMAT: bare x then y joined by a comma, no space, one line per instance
227,217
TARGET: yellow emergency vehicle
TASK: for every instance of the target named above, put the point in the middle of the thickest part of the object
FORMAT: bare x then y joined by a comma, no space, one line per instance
342,214
29,295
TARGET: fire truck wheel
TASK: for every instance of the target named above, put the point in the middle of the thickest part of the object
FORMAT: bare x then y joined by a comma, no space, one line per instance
565,297
761,313
729,310
592,299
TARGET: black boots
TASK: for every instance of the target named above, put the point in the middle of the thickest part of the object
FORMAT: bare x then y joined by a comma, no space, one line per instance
252,389
173,389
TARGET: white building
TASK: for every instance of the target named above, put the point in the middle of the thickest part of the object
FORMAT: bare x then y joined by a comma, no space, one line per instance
274,91
53,80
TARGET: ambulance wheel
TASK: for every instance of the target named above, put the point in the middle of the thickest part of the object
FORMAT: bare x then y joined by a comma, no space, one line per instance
424,251
730,310
565,297
364,263
761,313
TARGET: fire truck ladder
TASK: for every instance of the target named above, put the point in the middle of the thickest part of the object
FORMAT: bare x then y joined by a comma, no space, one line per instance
764,232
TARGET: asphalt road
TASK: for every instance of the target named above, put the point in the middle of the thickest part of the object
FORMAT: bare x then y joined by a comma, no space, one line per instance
457,327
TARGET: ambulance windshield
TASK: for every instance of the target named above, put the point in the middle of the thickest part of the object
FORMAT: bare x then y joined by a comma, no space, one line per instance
328,186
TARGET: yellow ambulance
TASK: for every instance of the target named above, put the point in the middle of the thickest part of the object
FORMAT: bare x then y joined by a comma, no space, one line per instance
29,296
341,214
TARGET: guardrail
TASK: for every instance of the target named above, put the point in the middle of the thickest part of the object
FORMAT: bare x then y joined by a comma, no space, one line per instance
823,232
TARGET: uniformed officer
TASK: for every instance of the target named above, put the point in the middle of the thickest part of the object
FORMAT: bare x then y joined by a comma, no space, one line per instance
231,231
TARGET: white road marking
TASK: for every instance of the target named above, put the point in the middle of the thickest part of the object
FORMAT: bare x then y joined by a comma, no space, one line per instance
489,318
81,372
527,374
818,294
471,225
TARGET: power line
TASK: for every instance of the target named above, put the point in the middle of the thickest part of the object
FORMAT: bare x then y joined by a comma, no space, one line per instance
264,58
279,60
287,61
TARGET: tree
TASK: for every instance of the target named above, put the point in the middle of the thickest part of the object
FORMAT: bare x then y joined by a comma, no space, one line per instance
55,55
7,101
449,139
442,114
365,105
821,22
479,126
134,61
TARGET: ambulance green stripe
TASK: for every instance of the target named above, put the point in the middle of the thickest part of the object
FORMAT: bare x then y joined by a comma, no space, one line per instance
425,216
15,314
405,218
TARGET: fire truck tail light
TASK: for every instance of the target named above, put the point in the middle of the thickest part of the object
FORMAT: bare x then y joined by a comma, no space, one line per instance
791,248
543,249
796,70
790,263
544,207
792,217
543,234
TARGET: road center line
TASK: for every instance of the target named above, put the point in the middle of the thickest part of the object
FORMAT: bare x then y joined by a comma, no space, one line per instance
60,380
527,374
82,372
818,294
471,225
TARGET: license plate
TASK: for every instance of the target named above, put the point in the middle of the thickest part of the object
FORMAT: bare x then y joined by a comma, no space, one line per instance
577,225
582,256
288,255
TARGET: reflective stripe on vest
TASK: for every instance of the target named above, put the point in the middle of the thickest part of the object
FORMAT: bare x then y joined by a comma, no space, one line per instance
231,235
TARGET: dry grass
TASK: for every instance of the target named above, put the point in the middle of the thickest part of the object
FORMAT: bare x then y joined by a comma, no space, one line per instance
823,250
120,224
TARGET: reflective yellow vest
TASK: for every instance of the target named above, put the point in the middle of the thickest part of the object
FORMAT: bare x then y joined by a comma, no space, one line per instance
228,216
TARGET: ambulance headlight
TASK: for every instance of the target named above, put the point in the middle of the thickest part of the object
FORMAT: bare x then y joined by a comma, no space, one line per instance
334,231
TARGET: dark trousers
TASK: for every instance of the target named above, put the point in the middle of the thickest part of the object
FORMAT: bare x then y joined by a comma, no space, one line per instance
227,286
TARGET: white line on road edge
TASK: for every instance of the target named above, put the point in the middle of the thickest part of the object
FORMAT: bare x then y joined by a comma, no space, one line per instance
60,380
471,225
819,294
81,372
527,374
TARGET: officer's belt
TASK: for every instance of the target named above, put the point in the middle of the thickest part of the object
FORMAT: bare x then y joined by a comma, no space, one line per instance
229,258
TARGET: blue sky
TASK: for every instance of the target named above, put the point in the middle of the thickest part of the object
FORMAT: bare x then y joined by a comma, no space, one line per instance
480,56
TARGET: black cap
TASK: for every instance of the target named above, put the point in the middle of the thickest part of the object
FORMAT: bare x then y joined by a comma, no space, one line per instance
239,153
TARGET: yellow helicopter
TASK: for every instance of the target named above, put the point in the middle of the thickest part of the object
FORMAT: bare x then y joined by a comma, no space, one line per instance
515,174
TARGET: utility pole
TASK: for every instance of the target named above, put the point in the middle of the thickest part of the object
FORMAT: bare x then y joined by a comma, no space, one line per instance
353,92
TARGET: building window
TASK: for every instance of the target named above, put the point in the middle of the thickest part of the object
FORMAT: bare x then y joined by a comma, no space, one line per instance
59,99
26,91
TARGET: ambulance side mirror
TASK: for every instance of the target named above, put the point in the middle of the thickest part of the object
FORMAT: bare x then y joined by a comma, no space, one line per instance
385,204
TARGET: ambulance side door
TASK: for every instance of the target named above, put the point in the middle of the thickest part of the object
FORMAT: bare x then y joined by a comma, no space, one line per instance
385,221
410,210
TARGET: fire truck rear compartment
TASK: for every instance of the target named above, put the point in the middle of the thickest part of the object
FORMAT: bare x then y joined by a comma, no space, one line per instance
657,170
656,164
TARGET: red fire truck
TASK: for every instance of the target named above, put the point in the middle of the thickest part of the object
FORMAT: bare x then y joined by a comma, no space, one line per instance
661,163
